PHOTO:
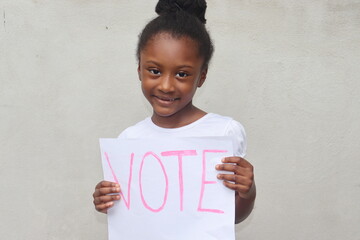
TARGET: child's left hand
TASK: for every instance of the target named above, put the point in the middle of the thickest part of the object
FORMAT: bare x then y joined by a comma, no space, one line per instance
242,180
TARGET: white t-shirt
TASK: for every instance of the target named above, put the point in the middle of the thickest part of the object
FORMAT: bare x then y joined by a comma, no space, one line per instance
210,125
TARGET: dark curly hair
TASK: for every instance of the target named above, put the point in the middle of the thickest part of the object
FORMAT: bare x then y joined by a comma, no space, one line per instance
180,18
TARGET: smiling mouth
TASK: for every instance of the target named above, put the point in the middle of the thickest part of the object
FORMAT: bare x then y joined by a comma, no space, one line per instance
166,99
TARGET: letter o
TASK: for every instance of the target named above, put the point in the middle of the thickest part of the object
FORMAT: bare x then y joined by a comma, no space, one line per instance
166,182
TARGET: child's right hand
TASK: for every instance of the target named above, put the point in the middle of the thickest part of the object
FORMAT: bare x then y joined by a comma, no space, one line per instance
102,200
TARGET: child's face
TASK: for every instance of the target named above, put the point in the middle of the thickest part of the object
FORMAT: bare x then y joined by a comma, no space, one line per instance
170,71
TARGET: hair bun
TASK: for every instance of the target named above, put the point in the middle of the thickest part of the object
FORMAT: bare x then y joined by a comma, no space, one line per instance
196,8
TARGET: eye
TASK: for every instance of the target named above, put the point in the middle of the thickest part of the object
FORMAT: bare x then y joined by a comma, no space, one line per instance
154,71
182,74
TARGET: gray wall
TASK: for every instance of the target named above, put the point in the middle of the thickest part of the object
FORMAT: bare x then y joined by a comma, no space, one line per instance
288,70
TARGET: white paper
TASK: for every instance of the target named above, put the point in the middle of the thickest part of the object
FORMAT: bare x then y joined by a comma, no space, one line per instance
174,193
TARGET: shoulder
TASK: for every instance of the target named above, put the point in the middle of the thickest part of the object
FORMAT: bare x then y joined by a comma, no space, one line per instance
136,130
233,129
229,124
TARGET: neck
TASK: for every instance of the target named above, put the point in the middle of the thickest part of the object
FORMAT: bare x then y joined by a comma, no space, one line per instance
186,116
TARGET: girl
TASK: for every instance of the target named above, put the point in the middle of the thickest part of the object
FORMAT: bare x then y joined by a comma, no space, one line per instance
173,53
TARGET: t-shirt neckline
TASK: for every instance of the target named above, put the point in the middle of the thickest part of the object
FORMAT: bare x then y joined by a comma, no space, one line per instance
190,125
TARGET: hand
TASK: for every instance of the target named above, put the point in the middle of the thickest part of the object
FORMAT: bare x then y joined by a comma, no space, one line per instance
102,200
242,180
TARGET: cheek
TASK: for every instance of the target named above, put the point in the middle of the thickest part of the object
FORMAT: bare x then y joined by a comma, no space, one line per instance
146,86
143,86
189,89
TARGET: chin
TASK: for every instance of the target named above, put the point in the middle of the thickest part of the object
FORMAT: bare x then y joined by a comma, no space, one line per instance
164,114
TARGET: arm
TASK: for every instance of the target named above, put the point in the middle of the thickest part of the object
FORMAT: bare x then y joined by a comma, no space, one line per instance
241,180
243,206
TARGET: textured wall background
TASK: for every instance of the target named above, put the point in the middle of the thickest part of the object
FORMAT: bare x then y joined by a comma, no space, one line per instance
288,70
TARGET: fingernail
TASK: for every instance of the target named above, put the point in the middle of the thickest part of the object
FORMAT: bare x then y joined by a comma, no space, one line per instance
223,160
219,176
217,167
110,203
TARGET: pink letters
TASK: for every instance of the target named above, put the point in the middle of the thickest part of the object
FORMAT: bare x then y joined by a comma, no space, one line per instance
203,182
180,155
181,181
127,202
166,181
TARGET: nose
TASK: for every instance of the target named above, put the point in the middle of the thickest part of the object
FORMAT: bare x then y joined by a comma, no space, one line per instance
166,83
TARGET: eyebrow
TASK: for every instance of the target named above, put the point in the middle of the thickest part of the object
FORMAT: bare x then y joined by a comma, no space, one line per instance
158,64
186,66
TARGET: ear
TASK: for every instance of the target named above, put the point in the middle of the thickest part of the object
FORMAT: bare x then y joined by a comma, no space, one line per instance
202,77
138,70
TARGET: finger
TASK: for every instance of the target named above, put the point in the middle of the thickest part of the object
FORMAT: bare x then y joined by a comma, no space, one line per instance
238,161
241,189
233,168
104,206
237,179
106,198
106,184
105,190
226,167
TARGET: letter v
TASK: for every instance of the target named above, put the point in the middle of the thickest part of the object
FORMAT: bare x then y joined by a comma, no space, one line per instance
127,202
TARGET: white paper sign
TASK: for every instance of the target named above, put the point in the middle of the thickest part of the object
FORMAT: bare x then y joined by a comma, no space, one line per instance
169,189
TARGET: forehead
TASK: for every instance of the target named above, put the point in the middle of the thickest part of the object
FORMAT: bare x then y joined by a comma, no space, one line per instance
166,47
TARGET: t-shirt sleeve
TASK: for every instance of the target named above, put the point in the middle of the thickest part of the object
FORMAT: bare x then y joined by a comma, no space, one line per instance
123,135
237,132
